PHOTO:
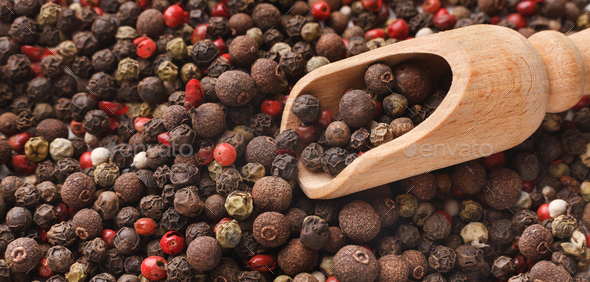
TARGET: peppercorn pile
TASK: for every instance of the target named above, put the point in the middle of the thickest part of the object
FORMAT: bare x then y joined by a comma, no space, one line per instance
177,171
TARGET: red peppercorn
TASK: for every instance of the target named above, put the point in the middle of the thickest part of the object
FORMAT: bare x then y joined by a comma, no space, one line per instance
530,263
42,233
584,102
22,164
146,48
73,211
308,132
77,128
164,139
174,16
378,110
139,122
495,20
442,11
519,264
172,242
35,53
107,236
332,279
526,8
154,268
113,109
287,151
273,108
543,212
220,45
518,20
567,125
62,212
494,161
98,10
222,221
447,216
144,4
204,155
85,160
36,70
528,186
398,29
220,10
18,141
44,269
374,33
199,33
457,193
145,226
444,22
226,55
383,13
225,154
85,3
320,11
431,6
194,94
372,5
113,125
325,119
262,263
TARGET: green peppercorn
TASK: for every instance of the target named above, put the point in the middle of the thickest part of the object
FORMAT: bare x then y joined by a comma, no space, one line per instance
583,21
67,50
214,169
44,111
283,278
146,109
49,14
252,172
281,47
563,226
552,122
228,234
423,211
381,134
77,273
126,32
316,62
190,71
105,174
408,205
128,69
470,211
37,149
395,105
311,32
167,71
357,8
246,131
376,43
585,190
238,205
559,170
475,233
176,48
256,34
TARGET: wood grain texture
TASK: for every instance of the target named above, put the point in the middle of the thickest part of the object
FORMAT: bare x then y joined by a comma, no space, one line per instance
564,64
497,99
582,41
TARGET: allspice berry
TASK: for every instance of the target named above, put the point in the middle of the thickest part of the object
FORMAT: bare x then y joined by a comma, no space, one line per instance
536,242
359,221
262,150
243,51
23,254
267,75
235,88
417,264
503,188
5,151
336,239
87,224
50,129
354,263
209,119
150,23
422,186
295,258
266,16
469,178
393,268
338,134
379,79
330,46
272,193
129,187
412,81
78,191
203,253
548,271
271,229
357,108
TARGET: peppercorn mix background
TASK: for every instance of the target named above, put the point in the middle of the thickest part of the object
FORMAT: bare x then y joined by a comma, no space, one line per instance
139,142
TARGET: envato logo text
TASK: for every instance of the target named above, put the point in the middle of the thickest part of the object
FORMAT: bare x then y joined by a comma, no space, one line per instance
463,150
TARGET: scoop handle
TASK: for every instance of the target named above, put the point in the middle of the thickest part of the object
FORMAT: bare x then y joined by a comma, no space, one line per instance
567,60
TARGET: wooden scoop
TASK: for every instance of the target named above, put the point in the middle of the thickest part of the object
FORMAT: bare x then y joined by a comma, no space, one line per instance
503,84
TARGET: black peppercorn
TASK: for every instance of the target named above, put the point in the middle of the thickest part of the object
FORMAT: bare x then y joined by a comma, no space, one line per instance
292,65
179,269
24,30
307,108
150,89
96,122
285,166
87,224
62,234
314,232
263,124
204,53
102,85
126,241
18,67
333,160
19,219
172,220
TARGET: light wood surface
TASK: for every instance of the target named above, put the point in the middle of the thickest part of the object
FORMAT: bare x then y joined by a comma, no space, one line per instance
498,98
